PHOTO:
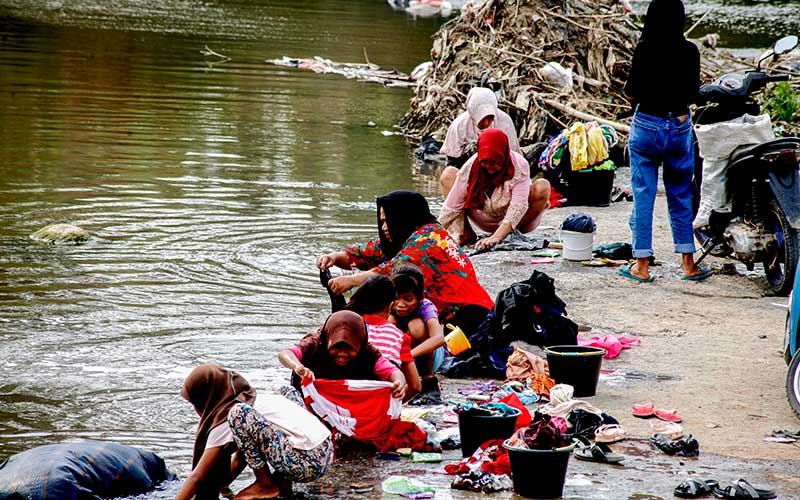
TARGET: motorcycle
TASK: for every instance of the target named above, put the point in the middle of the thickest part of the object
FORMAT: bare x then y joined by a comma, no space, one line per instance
791,348
762,221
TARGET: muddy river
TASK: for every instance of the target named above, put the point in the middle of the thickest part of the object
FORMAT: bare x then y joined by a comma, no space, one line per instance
209,186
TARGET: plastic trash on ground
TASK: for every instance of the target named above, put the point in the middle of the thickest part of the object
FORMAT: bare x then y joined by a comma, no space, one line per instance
401,485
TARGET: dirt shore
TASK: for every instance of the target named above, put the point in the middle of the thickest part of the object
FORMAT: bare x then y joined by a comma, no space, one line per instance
711,350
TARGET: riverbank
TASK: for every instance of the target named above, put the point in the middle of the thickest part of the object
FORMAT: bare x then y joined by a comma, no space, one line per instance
711,350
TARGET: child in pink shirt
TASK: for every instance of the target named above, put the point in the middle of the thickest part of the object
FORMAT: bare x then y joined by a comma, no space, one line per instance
373,301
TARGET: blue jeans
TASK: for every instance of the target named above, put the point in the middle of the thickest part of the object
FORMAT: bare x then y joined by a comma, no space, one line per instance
654,142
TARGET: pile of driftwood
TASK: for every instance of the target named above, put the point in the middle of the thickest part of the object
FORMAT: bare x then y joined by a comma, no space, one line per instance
511,45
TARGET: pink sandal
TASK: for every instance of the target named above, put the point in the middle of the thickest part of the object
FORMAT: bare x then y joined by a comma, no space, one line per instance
668,415
644,410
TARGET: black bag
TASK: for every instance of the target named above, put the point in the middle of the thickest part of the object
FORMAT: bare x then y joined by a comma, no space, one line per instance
531,311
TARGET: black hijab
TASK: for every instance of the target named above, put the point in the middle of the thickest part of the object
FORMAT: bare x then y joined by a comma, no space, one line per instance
406,211
341,326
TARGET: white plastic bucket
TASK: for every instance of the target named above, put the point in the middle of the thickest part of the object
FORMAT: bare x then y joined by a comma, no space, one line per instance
577,246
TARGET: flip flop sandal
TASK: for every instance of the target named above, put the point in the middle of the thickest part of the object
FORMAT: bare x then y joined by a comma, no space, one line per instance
644,410
670,429
695,488
626,272
610,433
743,489
669,415
704,273
599,453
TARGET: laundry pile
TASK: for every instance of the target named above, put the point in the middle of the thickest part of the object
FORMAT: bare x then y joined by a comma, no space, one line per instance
487,470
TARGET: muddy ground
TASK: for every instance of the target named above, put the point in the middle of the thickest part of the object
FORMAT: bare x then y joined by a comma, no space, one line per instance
711,350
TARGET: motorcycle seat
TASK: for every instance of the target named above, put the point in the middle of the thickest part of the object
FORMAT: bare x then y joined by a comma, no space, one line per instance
746,150
741,152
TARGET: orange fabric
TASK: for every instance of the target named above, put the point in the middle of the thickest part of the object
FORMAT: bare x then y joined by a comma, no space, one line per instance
541,383
522,364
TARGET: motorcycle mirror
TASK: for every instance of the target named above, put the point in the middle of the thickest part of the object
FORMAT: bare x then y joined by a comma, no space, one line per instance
784,45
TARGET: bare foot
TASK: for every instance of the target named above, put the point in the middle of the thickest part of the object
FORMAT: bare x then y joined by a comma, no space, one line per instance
257,491
694,271
635,270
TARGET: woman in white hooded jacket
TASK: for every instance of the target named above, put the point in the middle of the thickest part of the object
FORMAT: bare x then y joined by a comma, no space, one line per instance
481,113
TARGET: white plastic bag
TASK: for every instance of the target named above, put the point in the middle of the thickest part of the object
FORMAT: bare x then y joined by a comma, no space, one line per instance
557,74
717,141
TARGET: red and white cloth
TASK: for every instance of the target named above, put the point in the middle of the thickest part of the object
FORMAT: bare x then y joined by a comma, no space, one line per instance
364,410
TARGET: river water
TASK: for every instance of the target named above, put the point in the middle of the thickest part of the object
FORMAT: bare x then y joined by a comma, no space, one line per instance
209,186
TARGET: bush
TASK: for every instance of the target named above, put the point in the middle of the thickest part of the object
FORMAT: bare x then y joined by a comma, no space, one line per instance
781,102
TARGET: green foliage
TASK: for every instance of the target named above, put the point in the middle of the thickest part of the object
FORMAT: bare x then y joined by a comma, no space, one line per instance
782,102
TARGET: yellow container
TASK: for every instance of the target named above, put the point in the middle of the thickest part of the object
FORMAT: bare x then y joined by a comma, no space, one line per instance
456,341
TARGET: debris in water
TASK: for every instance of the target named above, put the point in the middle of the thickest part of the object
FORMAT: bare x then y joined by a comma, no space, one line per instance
363,72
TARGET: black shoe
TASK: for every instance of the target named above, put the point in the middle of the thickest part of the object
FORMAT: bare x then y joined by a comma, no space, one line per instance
337,299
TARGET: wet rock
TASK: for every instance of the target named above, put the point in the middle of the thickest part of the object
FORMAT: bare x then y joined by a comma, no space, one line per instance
61,233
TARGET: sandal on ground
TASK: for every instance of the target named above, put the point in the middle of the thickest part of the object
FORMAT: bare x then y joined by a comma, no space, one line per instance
670,429
669,415
704,273
743,489
597,452
695,488
644,410
610,433
626,272
686,446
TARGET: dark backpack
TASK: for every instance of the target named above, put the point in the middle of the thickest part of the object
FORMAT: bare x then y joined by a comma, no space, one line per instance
531,311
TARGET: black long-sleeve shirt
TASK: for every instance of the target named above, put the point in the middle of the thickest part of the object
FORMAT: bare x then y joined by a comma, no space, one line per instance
664,81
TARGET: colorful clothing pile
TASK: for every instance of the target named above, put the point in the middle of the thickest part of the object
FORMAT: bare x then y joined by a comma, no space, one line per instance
487,470
543,433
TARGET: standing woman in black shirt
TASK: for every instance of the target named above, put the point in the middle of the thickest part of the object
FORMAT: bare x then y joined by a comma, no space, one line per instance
664,80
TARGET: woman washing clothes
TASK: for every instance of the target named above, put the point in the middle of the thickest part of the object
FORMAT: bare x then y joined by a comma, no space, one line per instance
340,351
493,191
664,80
481,114
409,234
276,436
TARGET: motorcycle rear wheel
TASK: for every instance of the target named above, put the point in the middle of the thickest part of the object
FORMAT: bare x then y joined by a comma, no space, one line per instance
784,254
793,384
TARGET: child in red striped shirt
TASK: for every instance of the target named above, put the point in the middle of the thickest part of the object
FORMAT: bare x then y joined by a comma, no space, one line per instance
373,301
